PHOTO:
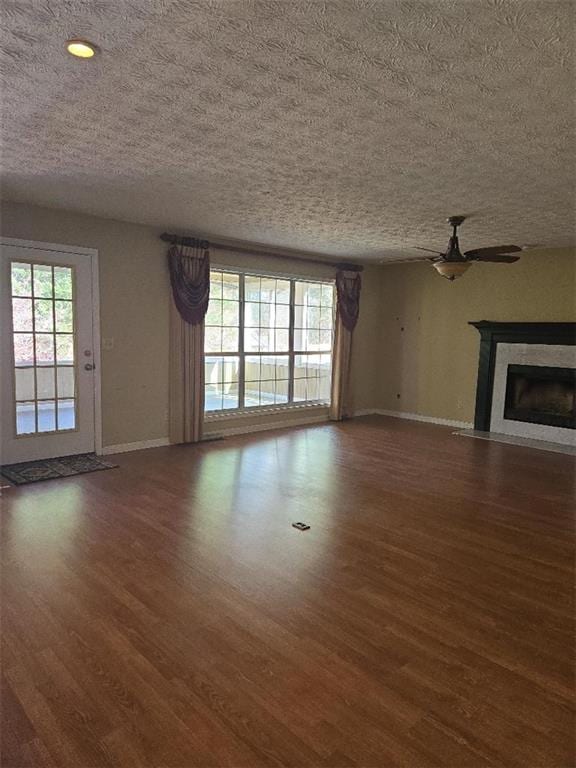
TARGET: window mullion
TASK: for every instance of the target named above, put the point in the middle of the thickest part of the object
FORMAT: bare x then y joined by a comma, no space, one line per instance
242,366
291,342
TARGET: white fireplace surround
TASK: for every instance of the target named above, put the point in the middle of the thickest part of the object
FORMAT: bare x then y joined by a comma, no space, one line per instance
552,355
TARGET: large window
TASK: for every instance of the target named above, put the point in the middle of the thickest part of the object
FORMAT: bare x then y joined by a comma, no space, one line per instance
268,341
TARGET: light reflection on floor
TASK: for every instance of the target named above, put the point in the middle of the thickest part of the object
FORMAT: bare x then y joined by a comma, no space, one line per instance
243,502
45,519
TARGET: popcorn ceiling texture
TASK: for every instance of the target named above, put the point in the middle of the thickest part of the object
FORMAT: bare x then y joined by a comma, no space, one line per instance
349,128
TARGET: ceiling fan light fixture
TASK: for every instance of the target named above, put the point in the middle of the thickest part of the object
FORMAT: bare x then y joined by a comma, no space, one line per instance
451,269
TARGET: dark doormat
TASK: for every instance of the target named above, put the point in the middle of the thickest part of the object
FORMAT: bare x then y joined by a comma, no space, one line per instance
50,469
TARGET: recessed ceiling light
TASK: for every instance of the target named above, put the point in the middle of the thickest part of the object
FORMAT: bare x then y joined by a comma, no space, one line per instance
81,48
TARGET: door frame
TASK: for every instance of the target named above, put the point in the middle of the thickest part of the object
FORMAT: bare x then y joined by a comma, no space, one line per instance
92,255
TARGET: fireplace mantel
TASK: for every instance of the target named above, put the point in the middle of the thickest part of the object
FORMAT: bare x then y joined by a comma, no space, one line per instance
493,333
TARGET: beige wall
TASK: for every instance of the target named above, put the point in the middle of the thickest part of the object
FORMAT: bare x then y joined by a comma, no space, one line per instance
427,351
134,296
133,312
414,351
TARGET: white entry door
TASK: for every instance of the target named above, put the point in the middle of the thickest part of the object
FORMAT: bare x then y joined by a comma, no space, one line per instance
46,354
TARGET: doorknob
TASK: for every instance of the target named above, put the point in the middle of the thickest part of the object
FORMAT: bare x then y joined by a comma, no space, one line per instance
89,366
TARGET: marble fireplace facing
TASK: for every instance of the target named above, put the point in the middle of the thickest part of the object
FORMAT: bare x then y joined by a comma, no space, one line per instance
527,381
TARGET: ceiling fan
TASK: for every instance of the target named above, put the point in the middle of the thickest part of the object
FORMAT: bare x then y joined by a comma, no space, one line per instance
454,263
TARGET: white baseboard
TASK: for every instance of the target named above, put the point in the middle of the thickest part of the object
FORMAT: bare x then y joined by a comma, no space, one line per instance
245,430
159,442
231,431
417,417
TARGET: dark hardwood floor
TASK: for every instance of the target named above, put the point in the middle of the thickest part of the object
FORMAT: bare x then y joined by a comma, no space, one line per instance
167,614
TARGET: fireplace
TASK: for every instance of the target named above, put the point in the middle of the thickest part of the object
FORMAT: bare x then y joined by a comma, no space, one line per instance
527,380
540,394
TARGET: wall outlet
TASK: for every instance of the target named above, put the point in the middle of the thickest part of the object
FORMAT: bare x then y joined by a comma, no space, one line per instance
107,344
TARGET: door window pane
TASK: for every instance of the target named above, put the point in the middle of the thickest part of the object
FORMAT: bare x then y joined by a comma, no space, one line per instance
22,315
21,279
65,349
23,349
43,281
43,315
46,416
44,348
45,383
64,316
66,414
25,389
65,381
63,282
25,418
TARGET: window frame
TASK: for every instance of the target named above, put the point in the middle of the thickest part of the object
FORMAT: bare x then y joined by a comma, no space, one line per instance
291,353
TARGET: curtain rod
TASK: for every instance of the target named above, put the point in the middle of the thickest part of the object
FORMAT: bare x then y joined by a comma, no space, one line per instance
194,242
191,242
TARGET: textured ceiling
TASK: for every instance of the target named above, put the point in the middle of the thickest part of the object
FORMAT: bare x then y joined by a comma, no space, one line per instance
340,127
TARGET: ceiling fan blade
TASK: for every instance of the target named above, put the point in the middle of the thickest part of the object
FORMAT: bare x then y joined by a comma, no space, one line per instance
503,258
492,250
415,260
418,248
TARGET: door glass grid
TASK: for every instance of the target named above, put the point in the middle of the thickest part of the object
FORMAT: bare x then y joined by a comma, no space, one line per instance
43,343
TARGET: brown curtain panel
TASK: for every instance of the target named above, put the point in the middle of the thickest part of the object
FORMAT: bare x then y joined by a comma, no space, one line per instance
348,286
189,268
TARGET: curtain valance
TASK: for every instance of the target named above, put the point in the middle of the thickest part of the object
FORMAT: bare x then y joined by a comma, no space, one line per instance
348,286
190,279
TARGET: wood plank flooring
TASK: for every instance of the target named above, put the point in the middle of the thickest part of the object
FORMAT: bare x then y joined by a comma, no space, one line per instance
167,614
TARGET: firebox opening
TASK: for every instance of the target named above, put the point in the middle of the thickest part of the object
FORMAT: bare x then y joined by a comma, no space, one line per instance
541,395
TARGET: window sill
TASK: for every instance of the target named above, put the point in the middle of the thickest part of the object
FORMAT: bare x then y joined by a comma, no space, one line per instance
264,410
